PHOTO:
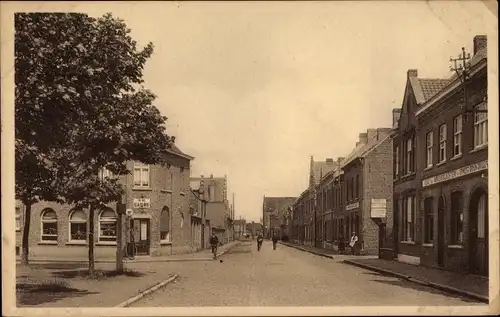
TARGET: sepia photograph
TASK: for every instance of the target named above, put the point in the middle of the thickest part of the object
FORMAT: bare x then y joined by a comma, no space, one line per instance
215,158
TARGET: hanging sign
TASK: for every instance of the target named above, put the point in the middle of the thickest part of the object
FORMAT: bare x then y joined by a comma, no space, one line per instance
378,208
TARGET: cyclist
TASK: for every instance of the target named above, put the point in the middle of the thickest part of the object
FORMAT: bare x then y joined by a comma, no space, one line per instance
214,242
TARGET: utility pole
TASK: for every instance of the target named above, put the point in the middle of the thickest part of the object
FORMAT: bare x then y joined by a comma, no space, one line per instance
462,68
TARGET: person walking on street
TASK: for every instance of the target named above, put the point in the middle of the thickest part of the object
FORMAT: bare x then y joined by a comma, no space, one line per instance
214,242
354,243
275,241
259,241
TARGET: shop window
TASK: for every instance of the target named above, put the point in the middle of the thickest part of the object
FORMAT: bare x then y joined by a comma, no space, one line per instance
78,226
457,218
107,226
428,220
49,225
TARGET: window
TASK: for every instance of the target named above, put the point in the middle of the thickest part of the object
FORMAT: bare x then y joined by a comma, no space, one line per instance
49,225
457,136
107,226
409,156
442,143
429,143
457,218
396,160
105,173
480,125
78,226
165,225
141,175
18,219
429,221
409,218
357,186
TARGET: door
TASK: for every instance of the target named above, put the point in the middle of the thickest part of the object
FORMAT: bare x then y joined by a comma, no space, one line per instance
141,229
441,232
478,234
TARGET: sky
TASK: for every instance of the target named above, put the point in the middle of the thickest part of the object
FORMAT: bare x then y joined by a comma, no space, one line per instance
252,90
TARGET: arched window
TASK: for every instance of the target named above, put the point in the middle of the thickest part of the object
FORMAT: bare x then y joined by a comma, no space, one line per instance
77,226
165,225
107,226
49,225
18,219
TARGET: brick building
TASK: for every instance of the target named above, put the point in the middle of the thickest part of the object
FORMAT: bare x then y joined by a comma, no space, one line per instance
405,151
367,175
302,219
453,169
276,212
159,224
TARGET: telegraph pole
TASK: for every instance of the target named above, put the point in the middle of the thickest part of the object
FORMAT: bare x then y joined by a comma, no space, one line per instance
462,68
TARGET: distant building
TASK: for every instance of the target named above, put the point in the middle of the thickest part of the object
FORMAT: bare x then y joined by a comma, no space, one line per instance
240,228
254,229
276,213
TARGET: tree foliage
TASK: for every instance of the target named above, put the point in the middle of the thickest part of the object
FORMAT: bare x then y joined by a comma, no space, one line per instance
80,107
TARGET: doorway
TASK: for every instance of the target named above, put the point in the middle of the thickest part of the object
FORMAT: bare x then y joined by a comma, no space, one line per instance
441,245
141,230
478,233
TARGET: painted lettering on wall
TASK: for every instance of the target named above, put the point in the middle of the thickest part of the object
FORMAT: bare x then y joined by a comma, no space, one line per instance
352,206
466,170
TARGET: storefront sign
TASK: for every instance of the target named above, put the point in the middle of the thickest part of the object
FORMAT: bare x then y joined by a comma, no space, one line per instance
352,206
378,208
466,170
142,203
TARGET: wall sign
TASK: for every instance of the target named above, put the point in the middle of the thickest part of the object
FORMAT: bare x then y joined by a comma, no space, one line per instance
142,203
466,170
352,206
378,208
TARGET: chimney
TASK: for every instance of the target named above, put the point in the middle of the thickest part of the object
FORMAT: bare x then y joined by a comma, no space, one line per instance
329,160
412,73
363,138
479,42
372,134
396,113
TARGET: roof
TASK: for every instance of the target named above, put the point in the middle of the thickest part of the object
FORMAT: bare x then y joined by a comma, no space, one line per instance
363,149
426,88
321,168
277,205
175,150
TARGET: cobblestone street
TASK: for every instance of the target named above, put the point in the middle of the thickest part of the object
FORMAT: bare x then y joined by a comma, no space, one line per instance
287,277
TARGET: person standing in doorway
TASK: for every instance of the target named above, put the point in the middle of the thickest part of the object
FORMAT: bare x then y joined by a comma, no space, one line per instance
354,243
259,241
275,241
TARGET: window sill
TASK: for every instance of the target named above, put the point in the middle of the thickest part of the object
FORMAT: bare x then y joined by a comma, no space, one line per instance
428,167
18,230
408,242
165,242
182,193
106,244
408,175
142,188
441,163
479,148
455,246
428,245
47,243
76,243
456,157
169,191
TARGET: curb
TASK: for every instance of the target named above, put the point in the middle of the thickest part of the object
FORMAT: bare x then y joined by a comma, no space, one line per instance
228,249
309,251
146,292
441,287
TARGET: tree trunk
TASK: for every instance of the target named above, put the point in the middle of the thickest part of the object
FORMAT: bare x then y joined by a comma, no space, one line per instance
26,235
91,241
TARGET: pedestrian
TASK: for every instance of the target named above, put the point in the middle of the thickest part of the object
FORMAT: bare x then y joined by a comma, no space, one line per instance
214,242
354,243
259,241
341,245
275,241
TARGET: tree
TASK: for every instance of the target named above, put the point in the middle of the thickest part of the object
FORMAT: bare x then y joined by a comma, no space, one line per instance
80,80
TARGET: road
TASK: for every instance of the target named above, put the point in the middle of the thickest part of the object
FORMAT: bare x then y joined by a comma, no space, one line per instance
287,277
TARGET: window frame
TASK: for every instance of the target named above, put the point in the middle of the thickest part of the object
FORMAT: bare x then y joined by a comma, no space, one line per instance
100,221
457,135
71,221
408,155
480,125
429,142
141,168
457,218
442,143
429,220
44,221
408,222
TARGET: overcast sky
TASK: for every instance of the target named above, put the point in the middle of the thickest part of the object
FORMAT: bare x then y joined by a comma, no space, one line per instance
252,90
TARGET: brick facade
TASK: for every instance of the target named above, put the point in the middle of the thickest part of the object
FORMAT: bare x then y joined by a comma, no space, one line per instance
167,190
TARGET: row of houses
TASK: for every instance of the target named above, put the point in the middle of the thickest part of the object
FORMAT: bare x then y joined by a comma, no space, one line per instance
416,192
243,229
168,212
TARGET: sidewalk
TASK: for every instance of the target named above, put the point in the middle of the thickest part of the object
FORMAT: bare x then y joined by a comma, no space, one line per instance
472,286
321,252
65,284
202,255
